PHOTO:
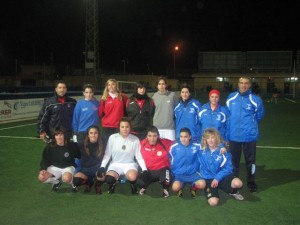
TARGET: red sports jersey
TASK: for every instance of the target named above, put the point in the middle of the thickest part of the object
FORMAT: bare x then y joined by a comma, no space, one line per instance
112,110
156,156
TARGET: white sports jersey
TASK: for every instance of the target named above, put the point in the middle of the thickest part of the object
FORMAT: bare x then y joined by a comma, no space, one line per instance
123,150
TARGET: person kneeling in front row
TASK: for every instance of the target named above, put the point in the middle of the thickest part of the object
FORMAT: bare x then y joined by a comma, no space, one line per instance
122,149
58,161
216,168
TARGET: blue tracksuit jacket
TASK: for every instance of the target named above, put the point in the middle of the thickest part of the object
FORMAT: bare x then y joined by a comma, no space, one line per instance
184,159
186,116
214,165
85,115
217,119
246,111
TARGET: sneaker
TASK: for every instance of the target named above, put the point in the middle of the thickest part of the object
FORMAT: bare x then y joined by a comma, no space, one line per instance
193,193
111,189
252,186
165,193
55,187
142,191
74,188
88,187
237,196
134,189
98,189
179,193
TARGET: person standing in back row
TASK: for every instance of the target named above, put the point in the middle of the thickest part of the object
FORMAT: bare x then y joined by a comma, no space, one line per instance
246,111
186,113
111,109
85,114
56,113
140,109
165,102
214,115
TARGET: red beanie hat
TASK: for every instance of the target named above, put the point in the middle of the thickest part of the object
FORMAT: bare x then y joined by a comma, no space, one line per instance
214,91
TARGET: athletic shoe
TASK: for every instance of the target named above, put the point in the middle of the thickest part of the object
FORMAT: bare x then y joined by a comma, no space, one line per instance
111,189
74,188
55,187
142,191
165,193
88,187
134,189
252,186
98,189
179,193
237,196
193,193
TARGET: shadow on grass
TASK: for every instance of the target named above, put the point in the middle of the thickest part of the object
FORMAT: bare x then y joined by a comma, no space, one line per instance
274,177
265,179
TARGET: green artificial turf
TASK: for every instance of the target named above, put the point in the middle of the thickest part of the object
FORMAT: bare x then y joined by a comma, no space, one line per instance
26,201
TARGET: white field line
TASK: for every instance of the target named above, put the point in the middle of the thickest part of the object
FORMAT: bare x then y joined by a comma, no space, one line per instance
25,125
14,137
278,147
36,138
290,100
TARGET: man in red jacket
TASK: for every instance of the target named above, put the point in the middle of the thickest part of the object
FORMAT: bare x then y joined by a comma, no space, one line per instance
155,153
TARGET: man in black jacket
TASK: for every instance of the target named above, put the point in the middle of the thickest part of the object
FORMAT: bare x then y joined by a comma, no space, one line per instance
57,112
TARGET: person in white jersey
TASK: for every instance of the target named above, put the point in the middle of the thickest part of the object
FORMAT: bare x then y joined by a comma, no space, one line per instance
121,151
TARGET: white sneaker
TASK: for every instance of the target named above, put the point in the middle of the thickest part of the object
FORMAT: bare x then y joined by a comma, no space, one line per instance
237,196
142,191
166,193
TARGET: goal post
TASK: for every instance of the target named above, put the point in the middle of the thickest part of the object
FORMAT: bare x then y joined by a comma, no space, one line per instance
126,86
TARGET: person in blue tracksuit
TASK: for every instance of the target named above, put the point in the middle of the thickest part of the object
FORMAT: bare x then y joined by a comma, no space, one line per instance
246,111
184,162
186,114
216,168
85,113
213,115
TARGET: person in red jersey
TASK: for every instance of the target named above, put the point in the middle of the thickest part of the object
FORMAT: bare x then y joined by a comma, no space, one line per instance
111,109
155,153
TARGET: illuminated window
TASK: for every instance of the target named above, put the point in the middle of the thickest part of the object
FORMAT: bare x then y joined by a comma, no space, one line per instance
294,79
219,79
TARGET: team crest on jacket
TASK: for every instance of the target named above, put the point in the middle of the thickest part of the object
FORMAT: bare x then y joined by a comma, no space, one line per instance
248,106
192,110
159,153
66,155
194,149
218,158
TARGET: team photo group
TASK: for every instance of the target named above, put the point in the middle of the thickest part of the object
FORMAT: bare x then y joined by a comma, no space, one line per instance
170,139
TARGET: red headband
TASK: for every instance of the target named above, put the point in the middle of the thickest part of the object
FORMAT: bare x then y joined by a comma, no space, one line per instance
214,91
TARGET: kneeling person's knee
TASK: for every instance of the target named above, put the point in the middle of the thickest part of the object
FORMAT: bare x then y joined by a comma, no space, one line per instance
110,179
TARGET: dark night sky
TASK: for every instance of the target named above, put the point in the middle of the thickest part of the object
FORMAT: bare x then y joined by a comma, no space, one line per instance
144,31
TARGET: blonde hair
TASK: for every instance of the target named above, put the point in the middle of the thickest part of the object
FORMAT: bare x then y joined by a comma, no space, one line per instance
245,77
210,132
105,92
